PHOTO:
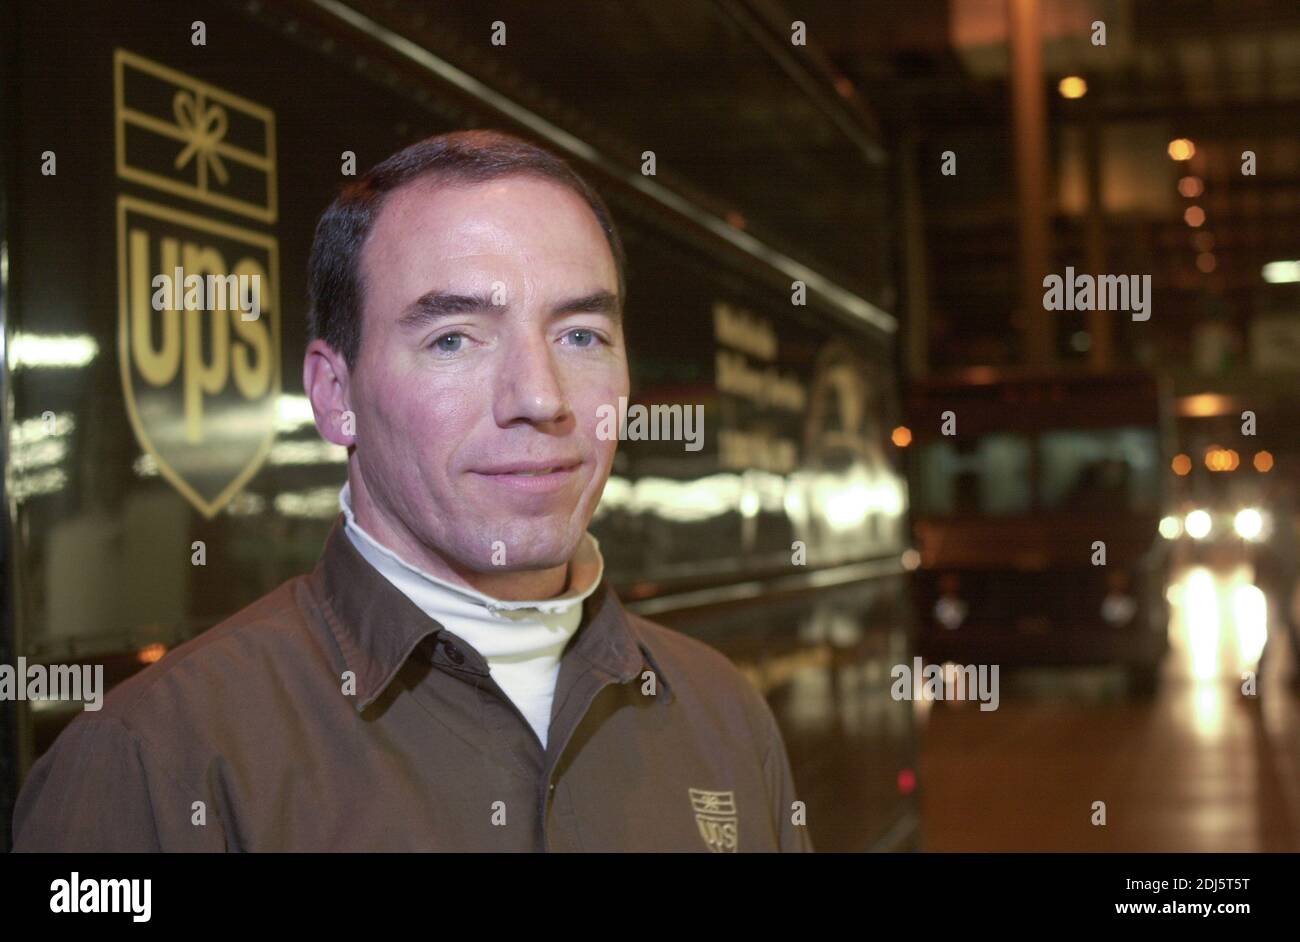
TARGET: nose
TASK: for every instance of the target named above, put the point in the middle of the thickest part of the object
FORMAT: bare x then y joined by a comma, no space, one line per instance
529,385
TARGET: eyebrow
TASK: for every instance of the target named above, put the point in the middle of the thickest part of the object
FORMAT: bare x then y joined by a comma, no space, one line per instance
433,306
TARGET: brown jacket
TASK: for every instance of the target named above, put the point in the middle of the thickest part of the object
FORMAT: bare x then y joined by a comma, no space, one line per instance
249,738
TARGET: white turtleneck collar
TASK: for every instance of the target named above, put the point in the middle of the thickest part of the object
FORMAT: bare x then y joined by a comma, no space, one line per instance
520,640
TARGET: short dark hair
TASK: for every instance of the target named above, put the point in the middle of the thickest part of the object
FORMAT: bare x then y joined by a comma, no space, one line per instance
335,283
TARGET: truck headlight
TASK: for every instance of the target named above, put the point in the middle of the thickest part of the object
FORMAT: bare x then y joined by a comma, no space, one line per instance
1198,524
1249,523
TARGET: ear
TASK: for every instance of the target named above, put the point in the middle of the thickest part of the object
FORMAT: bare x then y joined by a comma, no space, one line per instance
326,380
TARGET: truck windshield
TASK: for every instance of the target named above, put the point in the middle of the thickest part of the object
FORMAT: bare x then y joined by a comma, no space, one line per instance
1099,470
1083,470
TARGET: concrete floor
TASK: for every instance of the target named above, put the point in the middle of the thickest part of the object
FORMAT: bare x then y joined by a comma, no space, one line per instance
1198,767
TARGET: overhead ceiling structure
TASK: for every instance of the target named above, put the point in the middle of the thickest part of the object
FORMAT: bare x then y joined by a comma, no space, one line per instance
802,147
1224,74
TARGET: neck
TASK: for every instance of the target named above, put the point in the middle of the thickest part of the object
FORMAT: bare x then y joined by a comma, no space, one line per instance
508,586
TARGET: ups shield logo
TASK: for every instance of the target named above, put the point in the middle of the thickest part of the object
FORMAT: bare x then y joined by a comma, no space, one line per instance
199,347
198,301
715,816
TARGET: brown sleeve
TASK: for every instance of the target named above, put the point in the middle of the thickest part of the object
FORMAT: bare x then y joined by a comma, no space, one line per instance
100,788
794,838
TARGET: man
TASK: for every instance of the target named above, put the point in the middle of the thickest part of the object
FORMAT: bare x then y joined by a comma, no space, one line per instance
455,674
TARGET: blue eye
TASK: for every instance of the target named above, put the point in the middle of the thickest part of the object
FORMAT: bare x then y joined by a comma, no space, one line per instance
587,333
439,345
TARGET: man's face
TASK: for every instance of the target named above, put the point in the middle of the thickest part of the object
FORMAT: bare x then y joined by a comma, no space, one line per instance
491,335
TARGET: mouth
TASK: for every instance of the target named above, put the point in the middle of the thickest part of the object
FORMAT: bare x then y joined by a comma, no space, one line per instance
532,468
532,476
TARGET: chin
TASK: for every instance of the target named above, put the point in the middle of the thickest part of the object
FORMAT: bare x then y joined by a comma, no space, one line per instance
529,545
543,549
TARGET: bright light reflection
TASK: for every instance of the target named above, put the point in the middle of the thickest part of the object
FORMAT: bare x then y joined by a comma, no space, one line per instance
1207,711
1200,610
293,412
1250,615
28,351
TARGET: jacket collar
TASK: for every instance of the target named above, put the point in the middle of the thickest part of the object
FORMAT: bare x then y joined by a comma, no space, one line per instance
377,628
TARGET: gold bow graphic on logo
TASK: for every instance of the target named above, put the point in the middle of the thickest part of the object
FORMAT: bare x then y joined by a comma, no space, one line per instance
204,127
